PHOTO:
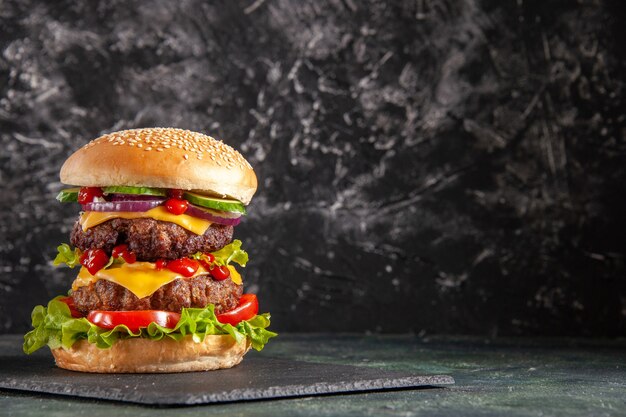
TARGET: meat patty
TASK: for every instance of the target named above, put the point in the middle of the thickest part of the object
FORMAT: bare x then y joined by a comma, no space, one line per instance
195,292
151,239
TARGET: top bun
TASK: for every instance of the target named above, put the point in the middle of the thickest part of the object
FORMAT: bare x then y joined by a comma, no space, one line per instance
162,158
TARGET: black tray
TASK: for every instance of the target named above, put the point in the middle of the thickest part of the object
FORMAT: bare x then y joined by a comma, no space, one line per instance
256,378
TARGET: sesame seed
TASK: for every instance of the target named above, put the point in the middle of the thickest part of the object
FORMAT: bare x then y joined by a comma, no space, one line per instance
160,139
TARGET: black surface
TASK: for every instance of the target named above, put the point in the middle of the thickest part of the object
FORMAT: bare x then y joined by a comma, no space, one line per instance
425,165
512,377
254,379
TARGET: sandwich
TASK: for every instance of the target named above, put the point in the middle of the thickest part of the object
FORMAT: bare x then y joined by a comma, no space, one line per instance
159,285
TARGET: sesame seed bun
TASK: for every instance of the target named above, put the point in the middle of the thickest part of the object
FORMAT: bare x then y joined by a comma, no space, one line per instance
138,355
162,158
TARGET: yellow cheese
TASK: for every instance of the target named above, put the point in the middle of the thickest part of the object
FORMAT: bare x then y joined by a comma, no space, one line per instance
140,278
93,218
234,275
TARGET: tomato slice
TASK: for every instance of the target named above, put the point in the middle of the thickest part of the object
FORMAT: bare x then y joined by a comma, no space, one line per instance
184,266
220,273
176,206
70,303
123,251
87,194
248,307
134,320
94,260
160,264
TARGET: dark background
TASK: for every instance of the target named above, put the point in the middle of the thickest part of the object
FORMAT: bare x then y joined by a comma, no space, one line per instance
425,166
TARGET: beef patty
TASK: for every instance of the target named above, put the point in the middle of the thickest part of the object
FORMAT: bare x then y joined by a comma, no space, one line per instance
195,292
151,239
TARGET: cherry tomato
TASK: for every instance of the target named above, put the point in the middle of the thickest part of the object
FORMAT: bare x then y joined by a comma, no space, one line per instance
248,307
175,193
160,264
94,260
134,320
206,260
176,206
87,194
118,250
184,266
70,303
125,253
220,273
129,257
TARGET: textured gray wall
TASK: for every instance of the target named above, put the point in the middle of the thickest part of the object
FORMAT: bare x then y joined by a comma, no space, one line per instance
427,165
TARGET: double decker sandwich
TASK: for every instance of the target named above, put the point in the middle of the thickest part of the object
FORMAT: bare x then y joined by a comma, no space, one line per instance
159,287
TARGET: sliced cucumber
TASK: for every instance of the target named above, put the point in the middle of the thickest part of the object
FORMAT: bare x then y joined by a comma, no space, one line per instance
69,195
215,203
128,189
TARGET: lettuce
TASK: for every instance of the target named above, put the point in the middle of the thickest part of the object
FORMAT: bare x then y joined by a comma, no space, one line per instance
54,326
231,253
67,256
71,257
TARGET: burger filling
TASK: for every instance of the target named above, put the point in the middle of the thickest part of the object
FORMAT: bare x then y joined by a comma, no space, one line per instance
197,292
150,239
150,267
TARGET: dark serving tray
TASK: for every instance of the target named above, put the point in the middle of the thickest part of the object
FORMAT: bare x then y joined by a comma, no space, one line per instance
255,378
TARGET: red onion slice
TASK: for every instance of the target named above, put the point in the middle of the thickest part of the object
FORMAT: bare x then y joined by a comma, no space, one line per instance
135,197
221,217
134,206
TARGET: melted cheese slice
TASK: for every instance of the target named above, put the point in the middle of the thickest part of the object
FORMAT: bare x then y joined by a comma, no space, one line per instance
198,226
234,275
140,278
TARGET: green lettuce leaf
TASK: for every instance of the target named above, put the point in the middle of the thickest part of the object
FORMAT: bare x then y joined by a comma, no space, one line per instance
231,253
54,326
67,255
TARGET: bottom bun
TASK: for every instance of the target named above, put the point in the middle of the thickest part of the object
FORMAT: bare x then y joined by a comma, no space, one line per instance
148,356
